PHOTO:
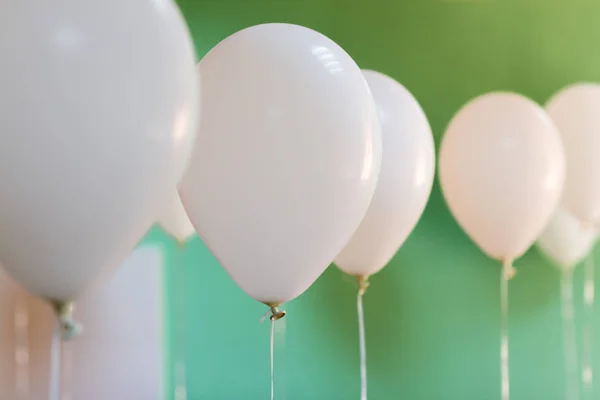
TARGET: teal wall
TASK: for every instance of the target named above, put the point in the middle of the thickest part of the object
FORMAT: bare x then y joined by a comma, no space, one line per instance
432,314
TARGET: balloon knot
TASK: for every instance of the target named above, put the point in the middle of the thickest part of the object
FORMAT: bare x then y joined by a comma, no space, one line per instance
363,284
508,270
276,313
69,328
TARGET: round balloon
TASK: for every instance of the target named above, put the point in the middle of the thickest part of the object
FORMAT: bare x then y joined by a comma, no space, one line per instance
565,240
175,221
502,170
405,179
574,110
286,159
99,101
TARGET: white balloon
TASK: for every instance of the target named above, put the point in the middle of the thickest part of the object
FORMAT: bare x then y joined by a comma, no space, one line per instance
575,111
286,159
565,240
405,179
502,170
99,101
176,222
121,355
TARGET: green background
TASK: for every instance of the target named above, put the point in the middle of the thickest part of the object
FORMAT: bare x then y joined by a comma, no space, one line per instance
432,315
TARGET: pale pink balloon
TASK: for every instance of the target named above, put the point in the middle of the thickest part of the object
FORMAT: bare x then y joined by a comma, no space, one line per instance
502,170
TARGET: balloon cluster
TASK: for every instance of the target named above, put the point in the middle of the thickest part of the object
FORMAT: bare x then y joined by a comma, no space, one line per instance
277,159
573,231
309,160
299,158
513,173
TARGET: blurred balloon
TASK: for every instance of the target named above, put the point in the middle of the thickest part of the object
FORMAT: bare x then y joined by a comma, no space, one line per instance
175,221
405,179
575,111
286,159
502,171
99,112
565,241
121,356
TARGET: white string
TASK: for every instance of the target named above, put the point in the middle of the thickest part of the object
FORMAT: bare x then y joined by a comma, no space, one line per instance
61,355
506,273
588,301
569,336
280,328
275,315
363,346
55,365
66,384
272,358
180,282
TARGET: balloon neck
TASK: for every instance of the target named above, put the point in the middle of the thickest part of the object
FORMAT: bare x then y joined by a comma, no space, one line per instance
508,270
69,328
363,284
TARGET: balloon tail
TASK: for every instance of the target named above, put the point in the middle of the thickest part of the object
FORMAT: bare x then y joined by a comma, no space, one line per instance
507,273
180,367
588,299
55,365
363,283
21,323
569,336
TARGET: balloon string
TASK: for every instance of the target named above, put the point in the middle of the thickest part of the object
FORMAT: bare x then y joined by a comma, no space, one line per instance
272,350
588,297
280,328
276,314
55,365
363,346
180,370
506,274
569,336
61,357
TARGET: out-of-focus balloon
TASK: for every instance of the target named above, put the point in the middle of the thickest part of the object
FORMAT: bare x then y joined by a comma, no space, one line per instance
405,179
99,102
575,112
565,240
176,222
502,170
286,159
121,356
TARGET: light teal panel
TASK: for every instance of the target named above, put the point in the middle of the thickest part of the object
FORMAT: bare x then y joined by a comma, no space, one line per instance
432,315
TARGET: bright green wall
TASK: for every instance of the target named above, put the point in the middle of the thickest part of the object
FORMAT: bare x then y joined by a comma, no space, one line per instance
432,315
